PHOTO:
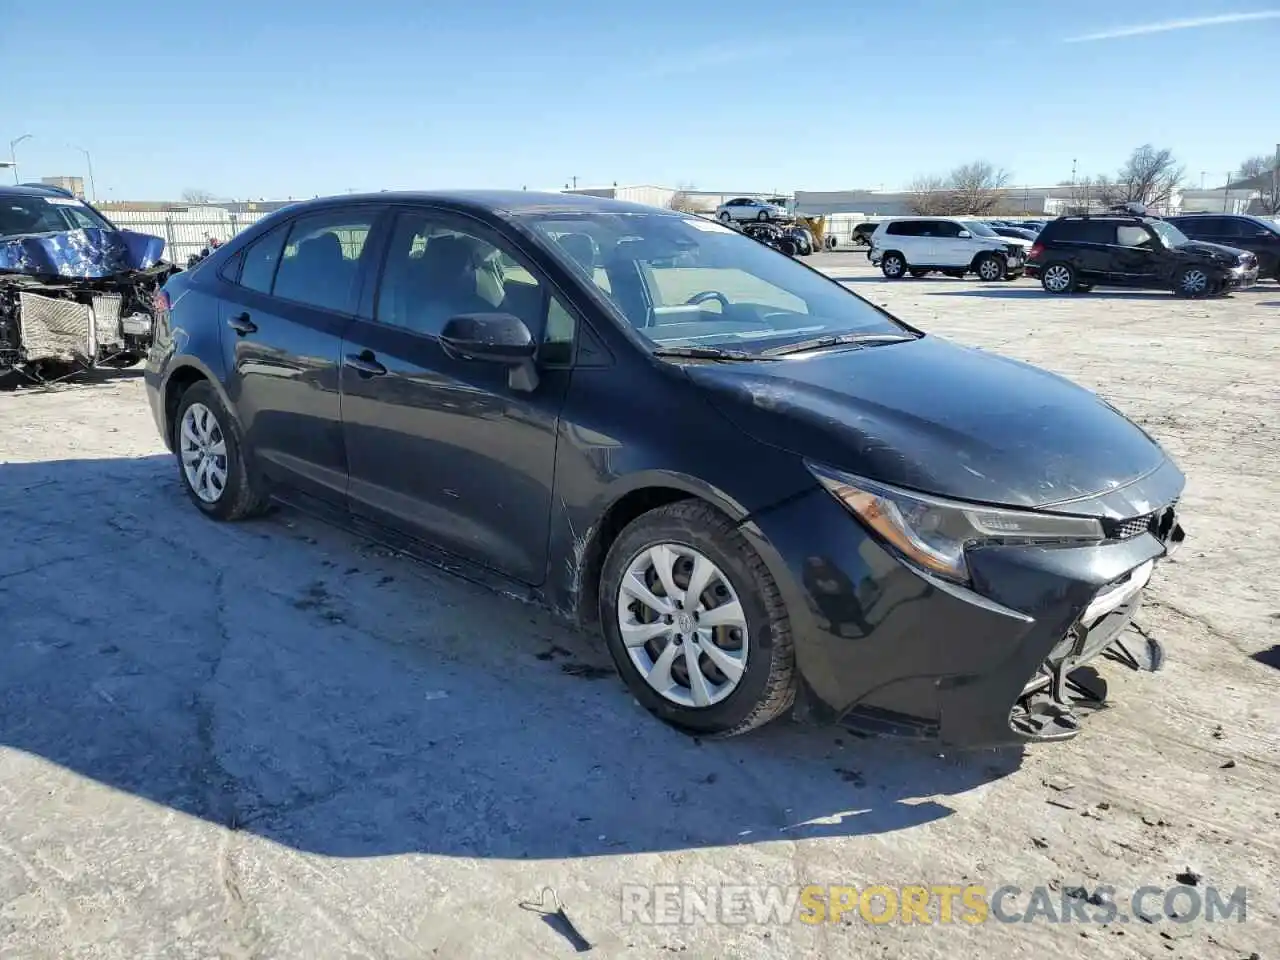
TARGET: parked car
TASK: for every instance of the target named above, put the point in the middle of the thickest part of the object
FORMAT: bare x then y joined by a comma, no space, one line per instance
951,245
1075,253
852,514
863,231
1017,233
803,237
1259,235
745,208
75,290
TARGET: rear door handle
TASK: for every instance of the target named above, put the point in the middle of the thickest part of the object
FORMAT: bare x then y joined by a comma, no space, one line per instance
365,364
242,325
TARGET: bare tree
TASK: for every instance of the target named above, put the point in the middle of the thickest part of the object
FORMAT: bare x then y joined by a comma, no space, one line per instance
1264,166
975,187
971,188
196,195
1151,177
928,196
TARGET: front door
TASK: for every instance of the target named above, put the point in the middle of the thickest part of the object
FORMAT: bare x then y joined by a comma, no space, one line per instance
1139,255
455,452
285,303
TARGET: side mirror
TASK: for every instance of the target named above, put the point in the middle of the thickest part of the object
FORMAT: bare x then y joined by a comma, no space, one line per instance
964,234
492,337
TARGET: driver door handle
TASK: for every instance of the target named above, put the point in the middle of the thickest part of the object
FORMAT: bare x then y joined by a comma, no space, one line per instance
366,364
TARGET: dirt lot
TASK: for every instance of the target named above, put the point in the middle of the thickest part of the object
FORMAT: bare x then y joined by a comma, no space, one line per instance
276,740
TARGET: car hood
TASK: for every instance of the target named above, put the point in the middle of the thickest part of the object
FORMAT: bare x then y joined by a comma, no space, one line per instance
936,417
1020,241
1217,252
87,254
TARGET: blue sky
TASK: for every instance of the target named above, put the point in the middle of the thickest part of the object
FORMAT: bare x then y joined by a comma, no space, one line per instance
279,98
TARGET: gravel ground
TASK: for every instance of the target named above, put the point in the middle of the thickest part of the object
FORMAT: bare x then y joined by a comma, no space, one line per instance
276,740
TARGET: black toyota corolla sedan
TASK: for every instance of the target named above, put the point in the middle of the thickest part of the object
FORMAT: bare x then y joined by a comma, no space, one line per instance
765,493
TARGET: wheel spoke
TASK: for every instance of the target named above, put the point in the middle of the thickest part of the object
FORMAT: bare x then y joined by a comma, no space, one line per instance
697,682
664,560
703,571
726,615
659,676
636,588
202,476
638,634
192,457
218,448
189,431
727,662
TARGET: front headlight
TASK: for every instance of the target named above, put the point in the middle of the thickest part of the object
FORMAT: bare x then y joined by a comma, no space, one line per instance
933,533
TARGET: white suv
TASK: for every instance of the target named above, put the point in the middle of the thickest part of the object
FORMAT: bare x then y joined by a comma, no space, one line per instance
951,245
744,208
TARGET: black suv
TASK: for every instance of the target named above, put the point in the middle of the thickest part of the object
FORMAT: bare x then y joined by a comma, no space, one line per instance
1074,253
1260,237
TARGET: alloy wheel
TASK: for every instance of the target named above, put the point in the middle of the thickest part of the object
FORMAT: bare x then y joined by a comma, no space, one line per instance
1194,281
1057,278
892,265
203,449
989,269
683,625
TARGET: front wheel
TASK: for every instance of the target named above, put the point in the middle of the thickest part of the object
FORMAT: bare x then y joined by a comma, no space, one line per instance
725,216
695,622
209,451
893,266
989,267
1192,282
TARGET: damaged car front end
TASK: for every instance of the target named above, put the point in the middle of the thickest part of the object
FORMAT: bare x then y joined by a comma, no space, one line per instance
76,292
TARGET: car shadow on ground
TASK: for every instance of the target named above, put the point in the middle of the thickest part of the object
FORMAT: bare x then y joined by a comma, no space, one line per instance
13,381
1269,657
286,678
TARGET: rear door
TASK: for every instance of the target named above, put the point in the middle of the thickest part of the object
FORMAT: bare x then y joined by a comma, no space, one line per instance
292,293
1090,247
454,452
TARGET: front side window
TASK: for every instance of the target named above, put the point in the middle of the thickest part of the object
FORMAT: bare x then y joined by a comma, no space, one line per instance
320,259
1170,235
437,268
979,229
1128,235
947,228
682,281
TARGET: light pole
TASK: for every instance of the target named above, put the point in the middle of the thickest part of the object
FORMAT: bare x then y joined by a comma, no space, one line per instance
93,191
13,153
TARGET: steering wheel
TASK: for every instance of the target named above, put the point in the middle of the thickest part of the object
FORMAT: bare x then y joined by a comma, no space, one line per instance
706,295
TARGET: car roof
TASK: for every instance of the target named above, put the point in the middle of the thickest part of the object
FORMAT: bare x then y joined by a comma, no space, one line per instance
504,203
33,190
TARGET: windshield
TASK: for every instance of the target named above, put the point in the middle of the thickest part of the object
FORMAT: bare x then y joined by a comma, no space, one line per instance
23,215
978,228
1170,235
683,281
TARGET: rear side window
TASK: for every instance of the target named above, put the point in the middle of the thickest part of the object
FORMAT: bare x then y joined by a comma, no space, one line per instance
904,228
1082,231
319,263
260,259
1202,226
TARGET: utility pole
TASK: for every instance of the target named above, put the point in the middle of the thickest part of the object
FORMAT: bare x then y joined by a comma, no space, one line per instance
93,191
13,153
1226,191
1275,182
1202,173
1073,172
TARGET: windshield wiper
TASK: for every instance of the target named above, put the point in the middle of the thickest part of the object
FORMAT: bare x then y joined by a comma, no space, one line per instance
835,340
709,353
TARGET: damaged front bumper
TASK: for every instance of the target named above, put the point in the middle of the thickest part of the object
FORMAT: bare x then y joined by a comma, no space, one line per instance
1010,659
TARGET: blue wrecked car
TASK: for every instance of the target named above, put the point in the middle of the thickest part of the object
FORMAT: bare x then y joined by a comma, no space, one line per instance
76,292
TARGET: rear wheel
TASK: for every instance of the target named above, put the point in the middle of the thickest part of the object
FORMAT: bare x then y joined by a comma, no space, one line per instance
892,265
695,623
725,216
1058,278
209,451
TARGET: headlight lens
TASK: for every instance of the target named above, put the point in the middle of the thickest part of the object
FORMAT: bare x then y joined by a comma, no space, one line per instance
933,532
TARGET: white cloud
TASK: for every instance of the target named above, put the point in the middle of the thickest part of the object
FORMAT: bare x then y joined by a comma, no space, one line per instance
1163,26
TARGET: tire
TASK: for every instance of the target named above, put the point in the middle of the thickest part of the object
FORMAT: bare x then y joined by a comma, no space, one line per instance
919,272
763,215
1193,283
238,498
726,216
893,265
989,267
678,532
1058,278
